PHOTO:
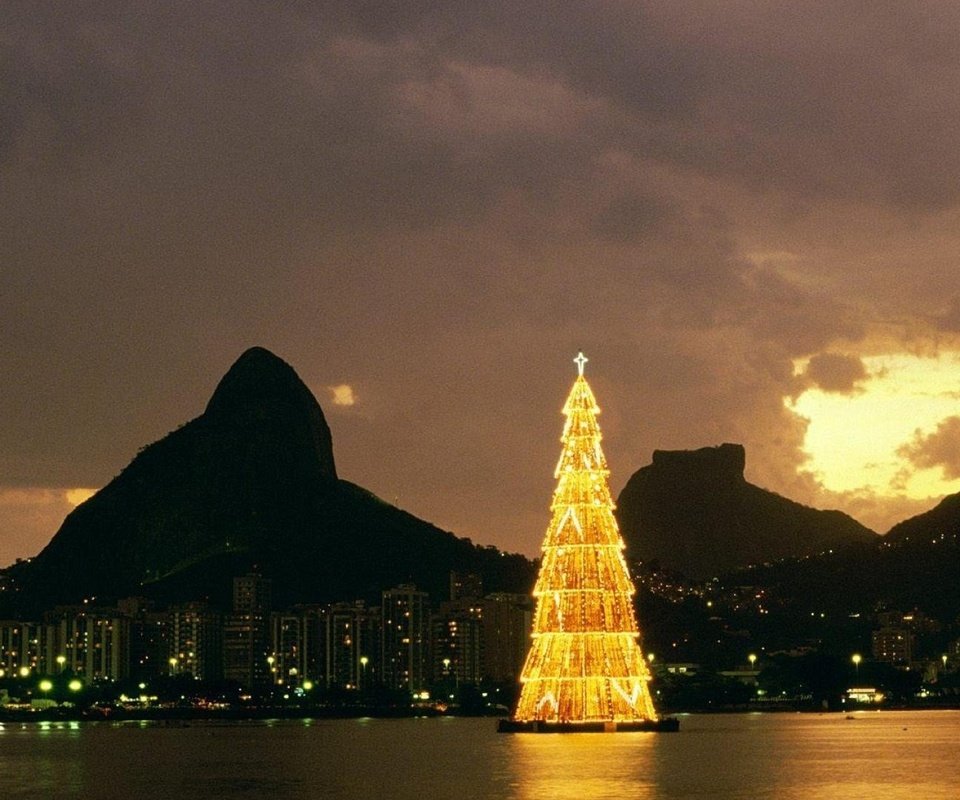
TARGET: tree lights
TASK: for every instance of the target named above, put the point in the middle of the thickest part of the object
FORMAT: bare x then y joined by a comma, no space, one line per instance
585,668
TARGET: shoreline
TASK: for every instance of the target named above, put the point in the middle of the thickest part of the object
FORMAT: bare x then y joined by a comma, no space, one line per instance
188,715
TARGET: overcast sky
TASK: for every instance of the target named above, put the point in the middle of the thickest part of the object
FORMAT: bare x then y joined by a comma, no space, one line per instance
428,208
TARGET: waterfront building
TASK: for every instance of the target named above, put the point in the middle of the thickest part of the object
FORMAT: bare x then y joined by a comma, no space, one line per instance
353,646
894,645
14,648
404,642
92,643
149,652
507,621
195,636
246,634
297,645
457,642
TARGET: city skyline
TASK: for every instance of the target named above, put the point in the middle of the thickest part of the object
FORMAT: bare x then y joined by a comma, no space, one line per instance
745,216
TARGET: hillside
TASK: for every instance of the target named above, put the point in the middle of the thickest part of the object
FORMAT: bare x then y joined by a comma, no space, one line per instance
944,518
694,512
251,483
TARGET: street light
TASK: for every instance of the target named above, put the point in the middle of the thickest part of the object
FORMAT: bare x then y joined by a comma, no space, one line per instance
274,678
363,671
857,658
61,660
752,658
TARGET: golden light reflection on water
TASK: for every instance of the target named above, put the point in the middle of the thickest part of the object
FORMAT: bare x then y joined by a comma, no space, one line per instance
890,755
554,766
884,755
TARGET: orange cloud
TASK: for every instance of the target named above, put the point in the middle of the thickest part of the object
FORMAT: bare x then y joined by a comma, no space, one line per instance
941,448
342,395
834,372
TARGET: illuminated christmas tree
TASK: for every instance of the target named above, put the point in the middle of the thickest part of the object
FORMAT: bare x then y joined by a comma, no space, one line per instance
585,669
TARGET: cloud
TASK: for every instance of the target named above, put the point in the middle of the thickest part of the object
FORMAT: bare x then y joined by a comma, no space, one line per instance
835,372
342,395
877,511
28,518
446,202
940,448
77,496
950,320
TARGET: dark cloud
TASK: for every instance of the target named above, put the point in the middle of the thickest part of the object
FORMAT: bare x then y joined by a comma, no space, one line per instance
438,204
835,372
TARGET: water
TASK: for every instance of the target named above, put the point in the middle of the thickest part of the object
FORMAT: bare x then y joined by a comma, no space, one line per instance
878,755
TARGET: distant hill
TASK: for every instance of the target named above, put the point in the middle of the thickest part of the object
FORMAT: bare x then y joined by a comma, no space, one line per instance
942,518
251,483
695,513
904,573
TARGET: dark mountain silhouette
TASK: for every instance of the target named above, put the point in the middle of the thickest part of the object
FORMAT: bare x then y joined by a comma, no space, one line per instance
903,573
249,484
942,518
695,513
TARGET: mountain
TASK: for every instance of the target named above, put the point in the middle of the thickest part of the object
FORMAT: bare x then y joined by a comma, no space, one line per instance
694,512
942,518
249,484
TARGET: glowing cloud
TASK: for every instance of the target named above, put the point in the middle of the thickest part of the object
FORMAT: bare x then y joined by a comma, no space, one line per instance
890,438
30,515
342,395
79,495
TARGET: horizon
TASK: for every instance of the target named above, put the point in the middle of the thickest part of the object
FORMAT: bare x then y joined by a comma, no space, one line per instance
75,497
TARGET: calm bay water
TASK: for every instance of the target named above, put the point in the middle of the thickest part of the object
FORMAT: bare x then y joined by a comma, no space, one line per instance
872,755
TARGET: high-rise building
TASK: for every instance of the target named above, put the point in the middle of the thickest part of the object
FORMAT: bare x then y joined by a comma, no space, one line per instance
92,643
465,586
195,641
14,646
246,635
507,620
252,593
894,645
149,651
403,654
297,645
352,646
457,642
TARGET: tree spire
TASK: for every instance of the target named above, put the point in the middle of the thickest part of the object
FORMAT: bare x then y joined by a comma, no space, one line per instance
580,361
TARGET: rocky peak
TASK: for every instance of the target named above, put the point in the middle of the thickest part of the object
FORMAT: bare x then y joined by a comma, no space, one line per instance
723,464
261,386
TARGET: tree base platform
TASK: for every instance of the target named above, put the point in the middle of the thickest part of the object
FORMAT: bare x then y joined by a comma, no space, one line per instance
665,725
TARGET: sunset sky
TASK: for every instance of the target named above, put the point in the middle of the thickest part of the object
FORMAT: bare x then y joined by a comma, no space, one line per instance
746,214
